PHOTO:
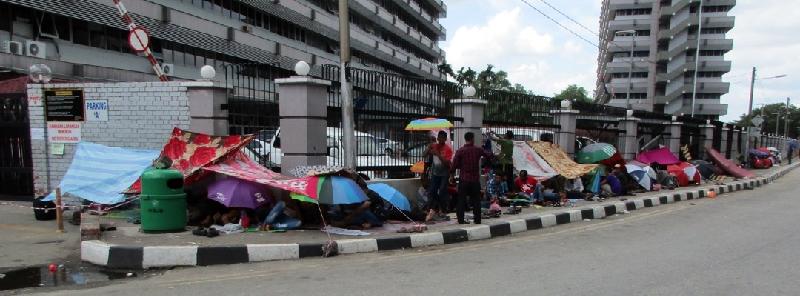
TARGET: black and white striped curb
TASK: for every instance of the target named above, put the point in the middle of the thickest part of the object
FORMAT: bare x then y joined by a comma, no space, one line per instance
138,257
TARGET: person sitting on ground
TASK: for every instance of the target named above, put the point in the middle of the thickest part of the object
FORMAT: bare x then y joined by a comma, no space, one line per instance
284,215
629,185
611,186
496,187
574,188
552,191
356,216
525,186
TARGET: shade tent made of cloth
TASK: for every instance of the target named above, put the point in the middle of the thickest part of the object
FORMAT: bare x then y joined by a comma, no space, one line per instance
100,173
560,161
727,165
242,167
525,158
661,156
189,152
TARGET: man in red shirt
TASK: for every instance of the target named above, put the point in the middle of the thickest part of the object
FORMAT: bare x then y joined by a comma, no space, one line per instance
524,183
467,162
440,154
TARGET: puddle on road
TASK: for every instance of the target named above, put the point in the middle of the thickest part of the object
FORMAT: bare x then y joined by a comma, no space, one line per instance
41,276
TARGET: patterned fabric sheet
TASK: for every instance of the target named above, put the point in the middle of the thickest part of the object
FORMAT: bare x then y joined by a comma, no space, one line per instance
242,167
560,161
190,152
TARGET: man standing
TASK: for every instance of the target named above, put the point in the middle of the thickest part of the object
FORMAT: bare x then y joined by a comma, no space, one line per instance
441,154
467,162
792,149
506,158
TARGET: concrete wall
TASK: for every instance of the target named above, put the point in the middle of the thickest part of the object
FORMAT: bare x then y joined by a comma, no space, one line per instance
140,115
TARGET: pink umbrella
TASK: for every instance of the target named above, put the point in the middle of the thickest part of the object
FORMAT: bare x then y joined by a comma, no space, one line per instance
660,156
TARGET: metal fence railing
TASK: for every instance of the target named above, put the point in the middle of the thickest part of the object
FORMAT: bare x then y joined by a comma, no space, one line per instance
384,103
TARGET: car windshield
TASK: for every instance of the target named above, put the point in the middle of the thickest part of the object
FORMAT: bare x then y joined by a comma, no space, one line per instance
266,135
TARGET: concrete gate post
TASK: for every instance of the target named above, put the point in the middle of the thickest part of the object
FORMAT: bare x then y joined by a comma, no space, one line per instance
303,114
471,111
567,118
708,138
723,149
673,140
207,111
628,144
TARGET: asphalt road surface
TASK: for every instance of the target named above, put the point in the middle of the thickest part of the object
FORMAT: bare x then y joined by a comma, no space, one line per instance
746,243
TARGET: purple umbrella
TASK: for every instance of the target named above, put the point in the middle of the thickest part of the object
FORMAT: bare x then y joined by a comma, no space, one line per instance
236,193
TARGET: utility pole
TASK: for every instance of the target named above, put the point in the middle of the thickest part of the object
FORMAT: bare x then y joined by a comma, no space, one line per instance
786,128
697,54
749,113
348,124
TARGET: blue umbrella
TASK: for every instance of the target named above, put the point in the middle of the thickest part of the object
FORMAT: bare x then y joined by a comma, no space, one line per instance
391,195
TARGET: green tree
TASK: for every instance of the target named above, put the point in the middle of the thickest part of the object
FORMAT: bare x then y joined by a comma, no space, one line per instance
573,92
768,113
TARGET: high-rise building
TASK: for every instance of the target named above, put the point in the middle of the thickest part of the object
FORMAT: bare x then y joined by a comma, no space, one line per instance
87,39
662,37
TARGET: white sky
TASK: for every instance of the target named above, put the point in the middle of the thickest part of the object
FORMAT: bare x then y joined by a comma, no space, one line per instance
546,58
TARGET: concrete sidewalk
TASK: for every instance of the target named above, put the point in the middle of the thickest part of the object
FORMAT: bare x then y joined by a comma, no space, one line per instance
24,241
128,248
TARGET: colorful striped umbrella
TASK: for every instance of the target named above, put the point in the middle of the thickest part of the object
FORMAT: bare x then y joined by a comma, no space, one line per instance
596,152
427,124
332,190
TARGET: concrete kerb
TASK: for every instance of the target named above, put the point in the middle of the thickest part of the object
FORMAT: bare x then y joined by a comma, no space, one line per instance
116,256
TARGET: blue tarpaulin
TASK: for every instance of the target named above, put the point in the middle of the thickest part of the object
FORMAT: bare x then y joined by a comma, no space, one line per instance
100,173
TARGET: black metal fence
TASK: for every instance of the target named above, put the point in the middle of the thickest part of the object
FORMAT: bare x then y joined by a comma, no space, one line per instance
16,166
526,116
385,103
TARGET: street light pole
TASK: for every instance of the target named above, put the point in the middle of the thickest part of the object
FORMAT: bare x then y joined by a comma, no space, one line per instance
697,53
348,124
630,68
786,128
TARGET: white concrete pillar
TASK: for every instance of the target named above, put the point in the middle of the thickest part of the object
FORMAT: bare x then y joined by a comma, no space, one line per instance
303,110
471,111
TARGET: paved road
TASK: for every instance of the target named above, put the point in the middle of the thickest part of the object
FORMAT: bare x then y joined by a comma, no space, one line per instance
743,244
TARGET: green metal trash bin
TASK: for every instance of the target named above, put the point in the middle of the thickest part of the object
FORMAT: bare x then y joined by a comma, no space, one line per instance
163,202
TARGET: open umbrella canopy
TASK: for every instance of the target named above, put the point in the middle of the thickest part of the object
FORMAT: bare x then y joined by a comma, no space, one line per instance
640,175
236,193
596,152
418,168
332,190
391,195
427,124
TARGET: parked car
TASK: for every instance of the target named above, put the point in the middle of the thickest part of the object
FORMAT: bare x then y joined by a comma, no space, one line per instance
266,149
388,147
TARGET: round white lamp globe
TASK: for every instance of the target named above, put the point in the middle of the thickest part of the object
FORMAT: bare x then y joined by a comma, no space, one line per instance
629,113
40,73
469,91
208,72
302,68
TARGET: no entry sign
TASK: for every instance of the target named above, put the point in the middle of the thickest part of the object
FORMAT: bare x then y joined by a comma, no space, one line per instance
138,39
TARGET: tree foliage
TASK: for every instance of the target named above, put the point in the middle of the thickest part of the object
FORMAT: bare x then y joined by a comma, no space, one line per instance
573,92
768,113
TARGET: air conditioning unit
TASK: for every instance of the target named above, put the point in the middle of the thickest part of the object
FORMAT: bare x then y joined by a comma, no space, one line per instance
12,47
168,69
35,49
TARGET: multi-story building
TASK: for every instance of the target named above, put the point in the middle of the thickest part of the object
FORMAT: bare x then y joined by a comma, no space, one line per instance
87,39
663,38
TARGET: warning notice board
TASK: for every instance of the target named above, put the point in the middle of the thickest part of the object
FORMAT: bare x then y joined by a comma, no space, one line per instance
64,105
64,132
